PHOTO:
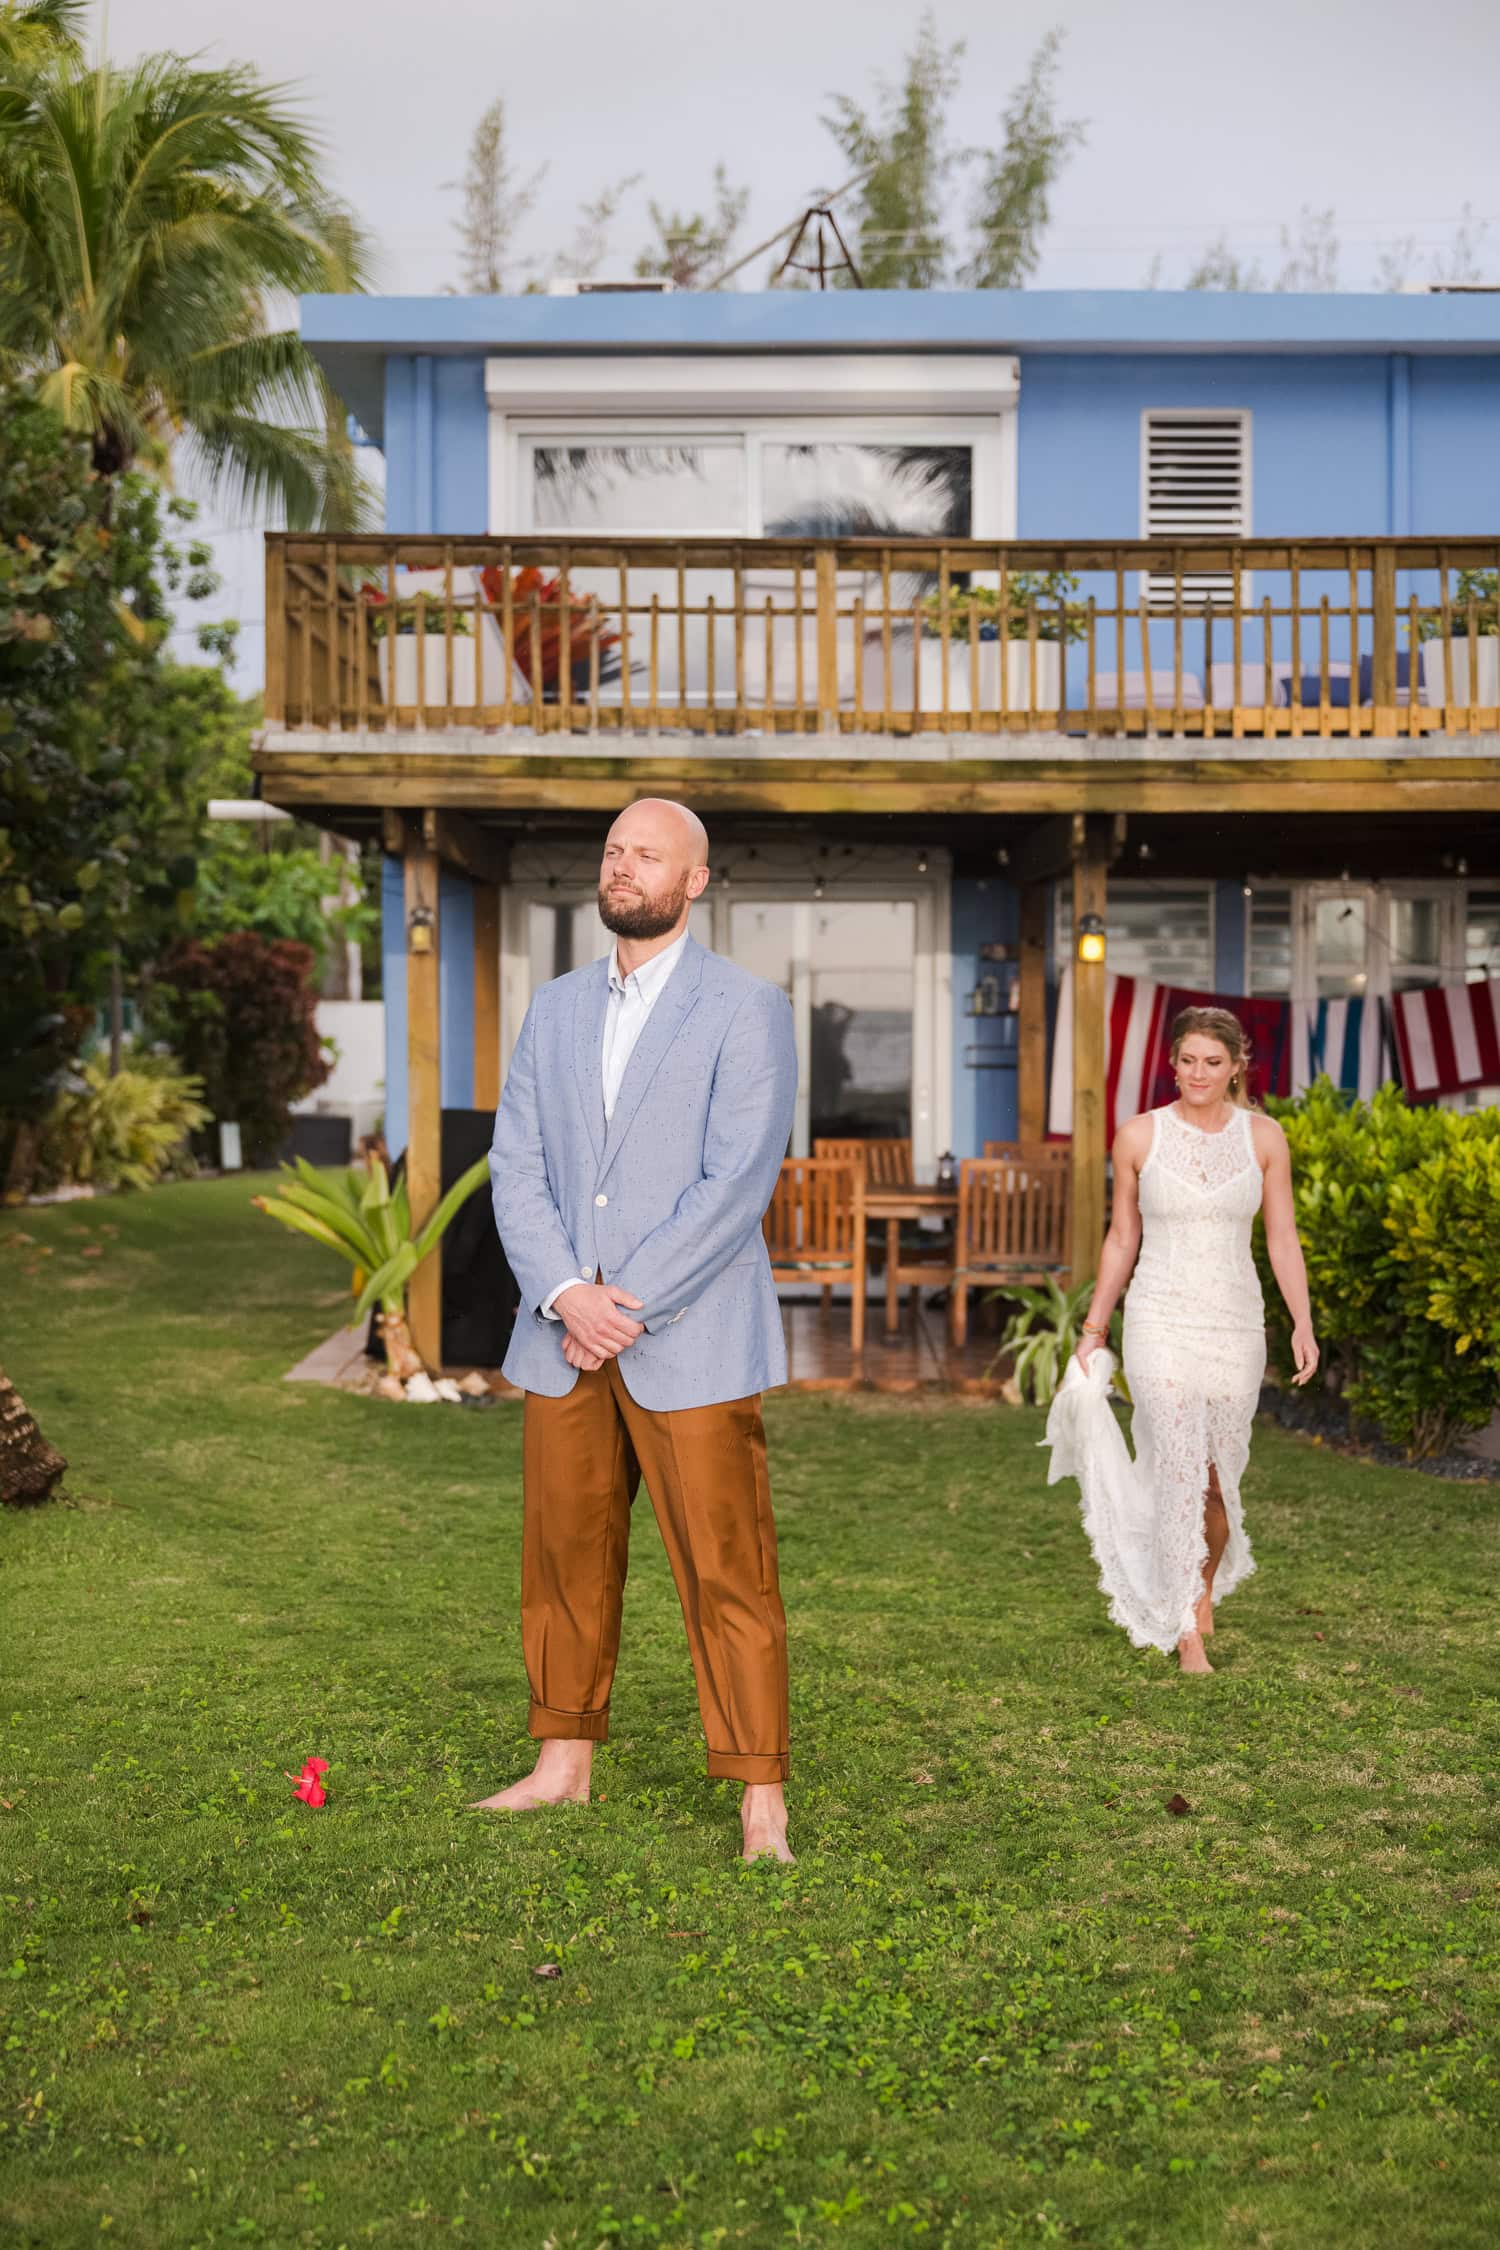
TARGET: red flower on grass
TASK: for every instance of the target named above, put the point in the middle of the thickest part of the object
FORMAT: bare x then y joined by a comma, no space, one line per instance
309,1786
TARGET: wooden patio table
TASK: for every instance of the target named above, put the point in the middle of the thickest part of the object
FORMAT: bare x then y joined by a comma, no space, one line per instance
892,1201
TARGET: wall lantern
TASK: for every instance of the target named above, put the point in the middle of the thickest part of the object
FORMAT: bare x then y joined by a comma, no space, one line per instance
1091,939
419,930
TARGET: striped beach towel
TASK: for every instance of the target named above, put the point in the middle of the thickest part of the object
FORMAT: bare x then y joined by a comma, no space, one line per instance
1448,1037
1138,1021
1344,1038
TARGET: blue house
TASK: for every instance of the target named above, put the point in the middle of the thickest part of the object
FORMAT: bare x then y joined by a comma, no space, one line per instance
961,617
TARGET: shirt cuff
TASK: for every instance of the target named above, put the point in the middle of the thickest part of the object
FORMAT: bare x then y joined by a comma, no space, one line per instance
573,1281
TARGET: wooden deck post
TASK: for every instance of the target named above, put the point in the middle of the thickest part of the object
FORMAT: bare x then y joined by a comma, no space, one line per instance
1031,1029
827,589
1383,642
276,632
1090,886
486,995
424,1091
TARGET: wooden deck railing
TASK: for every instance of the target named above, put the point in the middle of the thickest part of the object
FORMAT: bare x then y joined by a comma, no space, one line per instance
708,637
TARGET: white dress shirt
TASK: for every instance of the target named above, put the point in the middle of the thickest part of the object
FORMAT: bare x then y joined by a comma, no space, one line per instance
631,1000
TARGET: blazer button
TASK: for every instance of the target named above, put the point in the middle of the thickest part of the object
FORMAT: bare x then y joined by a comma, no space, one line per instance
601,1200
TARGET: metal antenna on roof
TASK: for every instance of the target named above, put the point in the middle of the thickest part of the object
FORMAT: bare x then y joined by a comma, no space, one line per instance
822,211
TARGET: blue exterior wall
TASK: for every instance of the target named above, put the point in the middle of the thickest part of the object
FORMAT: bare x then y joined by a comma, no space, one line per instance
436,443
985,912
456,936
1343,444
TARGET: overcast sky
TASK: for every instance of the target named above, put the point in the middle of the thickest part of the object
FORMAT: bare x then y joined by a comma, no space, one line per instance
1201,118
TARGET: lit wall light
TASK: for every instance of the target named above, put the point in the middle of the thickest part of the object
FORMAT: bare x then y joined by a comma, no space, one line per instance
420,930
922,863
1090,939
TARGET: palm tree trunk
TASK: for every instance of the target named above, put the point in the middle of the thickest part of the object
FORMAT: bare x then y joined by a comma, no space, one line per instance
29,1466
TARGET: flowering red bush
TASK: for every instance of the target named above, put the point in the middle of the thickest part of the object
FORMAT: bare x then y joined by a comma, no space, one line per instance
238,1012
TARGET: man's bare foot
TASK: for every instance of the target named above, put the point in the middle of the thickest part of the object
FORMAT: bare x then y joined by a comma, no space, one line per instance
1191,1656
763,1819
559,1777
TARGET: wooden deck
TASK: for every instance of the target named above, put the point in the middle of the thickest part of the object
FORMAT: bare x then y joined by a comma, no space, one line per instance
819,1357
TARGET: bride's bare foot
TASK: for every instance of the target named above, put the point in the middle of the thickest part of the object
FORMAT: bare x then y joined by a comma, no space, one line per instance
559,1777
763,1819
1203,1616
1191,1656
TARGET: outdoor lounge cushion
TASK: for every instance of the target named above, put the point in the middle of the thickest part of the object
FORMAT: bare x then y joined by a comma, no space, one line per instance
1107,695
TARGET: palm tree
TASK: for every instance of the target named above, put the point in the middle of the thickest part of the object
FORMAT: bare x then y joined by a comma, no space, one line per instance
151,219
29,1466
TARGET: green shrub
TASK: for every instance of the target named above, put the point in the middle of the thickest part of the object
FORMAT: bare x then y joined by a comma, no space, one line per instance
1398,1209
126,1131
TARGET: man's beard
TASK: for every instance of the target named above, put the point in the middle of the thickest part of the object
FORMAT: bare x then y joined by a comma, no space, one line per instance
631,916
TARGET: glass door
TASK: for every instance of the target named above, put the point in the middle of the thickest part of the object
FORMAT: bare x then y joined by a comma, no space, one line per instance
848,968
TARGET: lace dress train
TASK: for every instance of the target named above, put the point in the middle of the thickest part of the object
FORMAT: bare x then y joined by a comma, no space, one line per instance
1195,1356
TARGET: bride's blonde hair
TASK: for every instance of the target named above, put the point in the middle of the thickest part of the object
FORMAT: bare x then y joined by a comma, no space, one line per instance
1219,1024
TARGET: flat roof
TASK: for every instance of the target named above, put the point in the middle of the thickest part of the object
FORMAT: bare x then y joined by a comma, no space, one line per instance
353,335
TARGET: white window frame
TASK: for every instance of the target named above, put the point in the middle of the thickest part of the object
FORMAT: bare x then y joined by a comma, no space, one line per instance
933,398
1373,902
1134,886
1157,586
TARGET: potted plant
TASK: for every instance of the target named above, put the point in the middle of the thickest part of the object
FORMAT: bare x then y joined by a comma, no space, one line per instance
537,632
411,641
1473,622
368,1222
1056,621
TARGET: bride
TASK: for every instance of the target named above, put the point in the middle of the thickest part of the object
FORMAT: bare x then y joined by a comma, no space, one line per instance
1166,1529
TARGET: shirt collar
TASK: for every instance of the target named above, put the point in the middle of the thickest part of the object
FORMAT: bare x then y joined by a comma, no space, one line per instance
652,975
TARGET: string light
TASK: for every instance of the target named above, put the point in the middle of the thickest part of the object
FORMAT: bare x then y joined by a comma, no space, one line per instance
922,861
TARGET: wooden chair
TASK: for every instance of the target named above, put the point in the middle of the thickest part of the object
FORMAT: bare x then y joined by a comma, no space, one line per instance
885,1163
815,1231
1012,1223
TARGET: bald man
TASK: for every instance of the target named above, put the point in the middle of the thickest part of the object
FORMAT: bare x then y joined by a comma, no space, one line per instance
645,1115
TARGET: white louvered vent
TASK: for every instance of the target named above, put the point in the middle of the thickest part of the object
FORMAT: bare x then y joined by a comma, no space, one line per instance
1195,481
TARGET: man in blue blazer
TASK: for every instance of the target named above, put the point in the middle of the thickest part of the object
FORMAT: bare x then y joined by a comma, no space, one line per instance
645,1115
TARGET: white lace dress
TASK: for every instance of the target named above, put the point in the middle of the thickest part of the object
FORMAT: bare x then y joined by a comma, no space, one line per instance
1195,1356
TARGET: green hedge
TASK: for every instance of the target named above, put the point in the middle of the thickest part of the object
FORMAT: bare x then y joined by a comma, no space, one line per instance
1399,1213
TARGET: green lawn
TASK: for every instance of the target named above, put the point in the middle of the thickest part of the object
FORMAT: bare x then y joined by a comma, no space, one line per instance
1004,1998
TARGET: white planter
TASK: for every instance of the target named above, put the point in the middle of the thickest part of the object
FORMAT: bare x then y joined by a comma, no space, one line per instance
1486,689
422,662
1018,680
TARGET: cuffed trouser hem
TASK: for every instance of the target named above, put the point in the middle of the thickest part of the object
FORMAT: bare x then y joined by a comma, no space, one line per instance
567,1726
732,1765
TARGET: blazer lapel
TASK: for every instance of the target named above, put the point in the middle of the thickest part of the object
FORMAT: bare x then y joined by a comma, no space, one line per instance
588,1049
666,1019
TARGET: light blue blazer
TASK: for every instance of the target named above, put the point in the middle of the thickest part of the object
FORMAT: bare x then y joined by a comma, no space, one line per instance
667,1198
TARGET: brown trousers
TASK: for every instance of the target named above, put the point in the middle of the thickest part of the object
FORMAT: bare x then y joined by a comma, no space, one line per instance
705,1470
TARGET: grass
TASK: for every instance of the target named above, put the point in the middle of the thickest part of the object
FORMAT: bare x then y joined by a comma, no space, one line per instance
1004,1998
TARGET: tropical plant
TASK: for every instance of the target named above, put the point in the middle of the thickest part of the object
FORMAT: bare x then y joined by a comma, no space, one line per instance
29,1466
495,202
537,608
367,1221
1044,1332
1015,195
1062,622
281,890
690,247
240,1011
148,217
105,746
129,1129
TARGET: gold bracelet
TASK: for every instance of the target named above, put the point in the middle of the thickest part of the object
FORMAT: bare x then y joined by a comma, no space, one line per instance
1088,1331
